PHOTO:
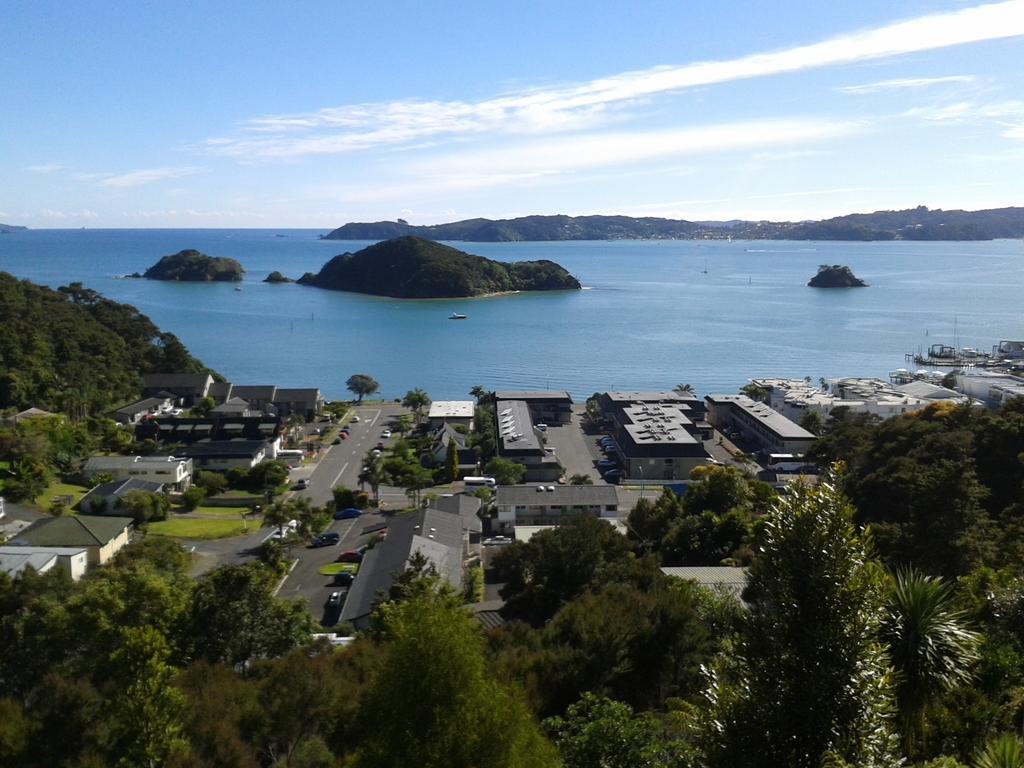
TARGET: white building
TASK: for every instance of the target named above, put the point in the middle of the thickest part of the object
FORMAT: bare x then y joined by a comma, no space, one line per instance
993,389
15,560
534,505
451,412
173,473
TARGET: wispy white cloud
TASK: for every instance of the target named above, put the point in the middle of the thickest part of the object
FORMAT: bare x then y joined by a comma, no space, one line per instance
1015,132
141,177
45,168
1001,112
907,83
358,127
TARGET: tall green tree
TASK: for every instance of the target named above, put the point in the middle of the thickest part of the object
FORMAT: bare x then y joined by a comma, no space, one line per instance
811,678
145,709
929,645
373,474
416,400
361,384
431,702
451,462
505,472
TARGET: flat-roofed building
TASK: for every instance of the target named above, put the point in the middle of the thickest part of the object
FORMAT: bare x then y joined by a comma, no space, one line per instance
222,455
451,412
135,412
758,424
993,389
172,472
611,402
657,443
533,505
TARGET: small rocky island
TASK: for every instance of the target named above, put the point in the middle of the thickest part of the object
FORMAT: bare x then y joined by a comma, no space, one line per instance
192,266
835,276
277,277
414,268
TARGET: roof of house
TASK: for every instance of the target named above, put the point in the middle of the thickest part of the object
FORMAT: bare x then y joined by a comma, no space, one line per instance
451,409
300,395
29,413
446,433
437,535
117,489
649,397
141,406
171,380
76,531
554,395
224,449
254,392
13,563
567,495
652,423
232,405
515,427
927,391
101,463
488,613
733,579
463,505
220,390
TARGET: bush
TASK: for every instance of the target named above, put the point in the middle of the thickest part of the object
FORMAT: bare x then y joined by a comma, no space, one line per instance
475,585
211,482
236,477
143,506
192,498
344,497
362,500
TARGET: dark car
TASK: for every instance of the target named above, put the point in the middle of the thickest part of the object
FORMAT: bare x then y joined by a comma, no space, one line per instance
613,475
346,429
320,541
604,464
343,578
330,536
351,556
336,441
347,514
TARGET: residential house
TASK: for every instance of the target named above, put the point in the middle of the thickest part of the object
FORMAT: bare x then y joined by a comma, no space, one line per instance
31,413
467,507
14,561
307,402
658,443
259,397
100,537
235,406
135,412
172,472
219,392
438,453
102,500
177,430
540,505
722,577
438,536
520,441
186,388
222,455
546,407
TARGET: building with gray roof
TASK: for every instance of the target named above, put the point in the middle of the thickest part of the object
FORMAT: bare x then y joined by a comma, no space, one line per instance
551,504
758,425
438,536
14,561
102,500
520,441
656,442
101,537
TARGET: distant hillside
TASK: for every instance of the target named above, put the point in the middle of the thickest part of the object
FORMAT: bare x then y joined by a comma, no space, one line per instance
192,266
913,224
73,349
5,228
414,268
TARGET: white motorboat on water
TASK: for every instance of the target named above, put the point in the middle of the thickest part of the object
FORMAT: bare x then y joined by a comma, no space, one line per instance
456,316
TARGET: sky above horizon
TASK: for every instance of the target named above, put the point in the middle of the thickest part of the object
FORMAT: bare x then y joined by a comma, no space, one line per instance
265,114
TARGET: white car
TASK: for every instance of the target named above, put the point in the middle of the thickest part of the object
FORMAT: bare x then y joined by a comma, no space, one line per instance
386,433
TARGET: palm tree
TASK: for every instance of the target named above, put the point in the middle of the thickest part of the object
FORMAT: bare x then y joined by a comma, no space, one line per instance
683,389
403,424
1005,751
416,400
374,474
478,392
929,645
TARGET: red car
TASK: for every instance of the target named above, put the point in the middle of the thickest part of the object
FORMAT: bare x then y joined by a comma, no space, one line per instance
351,556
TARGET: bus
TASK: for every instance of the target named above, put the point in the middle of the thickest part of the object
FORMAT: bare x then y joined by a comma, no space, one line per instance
476,483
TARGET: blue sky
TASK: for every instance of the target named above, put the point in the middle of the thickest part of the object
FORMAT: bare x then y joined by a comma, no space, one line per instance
266,114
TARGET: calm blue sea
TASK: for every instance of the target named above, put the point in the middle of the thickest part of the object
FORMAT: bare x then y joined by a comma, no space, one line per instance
650,317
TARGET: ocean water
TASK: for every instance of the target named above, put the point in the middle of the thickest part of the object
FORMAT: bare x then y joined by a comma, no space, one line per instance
653,314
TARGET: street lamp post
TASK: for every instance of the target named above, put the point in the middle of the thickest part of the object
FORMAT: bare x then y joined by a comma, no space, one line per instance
640,469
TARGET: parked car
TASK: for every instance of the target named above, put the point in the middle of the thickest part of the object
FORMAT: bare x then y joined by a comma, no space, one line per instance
347,514
343,578
302,484
355,419
380,445
334,601
604,464
613,475
319,541
331,536
386,433
346,429
336,441
351,556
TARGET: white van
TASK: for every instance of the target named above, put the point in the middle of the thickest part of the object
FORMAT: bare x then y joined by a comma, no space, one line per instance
476,483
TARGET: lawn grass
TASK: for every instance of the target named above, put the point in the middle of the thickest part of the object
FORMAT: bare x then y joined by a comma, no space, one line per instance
198,528
76,492
232,512
332,568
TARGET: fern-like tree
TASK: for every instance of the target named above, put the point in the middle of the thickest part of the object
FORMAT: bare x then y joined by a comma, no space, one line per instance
1005,751
809,680
416,400
930,646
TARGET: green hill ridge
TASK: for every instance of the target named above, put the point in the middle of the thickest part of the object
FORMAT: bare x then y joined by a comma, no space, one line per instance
414,268
192,266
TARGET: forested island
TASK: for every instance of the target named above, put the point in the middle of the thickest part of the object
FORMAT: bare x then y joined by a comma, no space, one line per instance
8,228
192,266
919,223
277,277
835,276
414,268
70,349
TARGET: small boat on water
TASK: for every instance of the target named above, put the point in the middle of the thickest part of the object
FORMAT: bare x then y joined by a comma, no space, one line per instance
456,316
238,287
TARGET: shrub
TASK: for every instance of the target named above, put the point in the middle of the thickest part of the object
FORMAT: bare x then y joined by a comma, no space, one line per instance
192,498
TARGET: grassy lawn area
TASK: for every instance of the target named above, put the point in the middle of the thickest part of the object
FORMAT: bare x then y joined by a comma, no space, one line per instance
223,512
332,568
60,489
199,528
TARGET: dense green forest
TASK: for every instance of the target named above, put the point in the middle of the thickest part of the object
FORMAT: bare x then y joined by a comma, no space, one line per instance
70,350
919,223
882,625
192,266
414,268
